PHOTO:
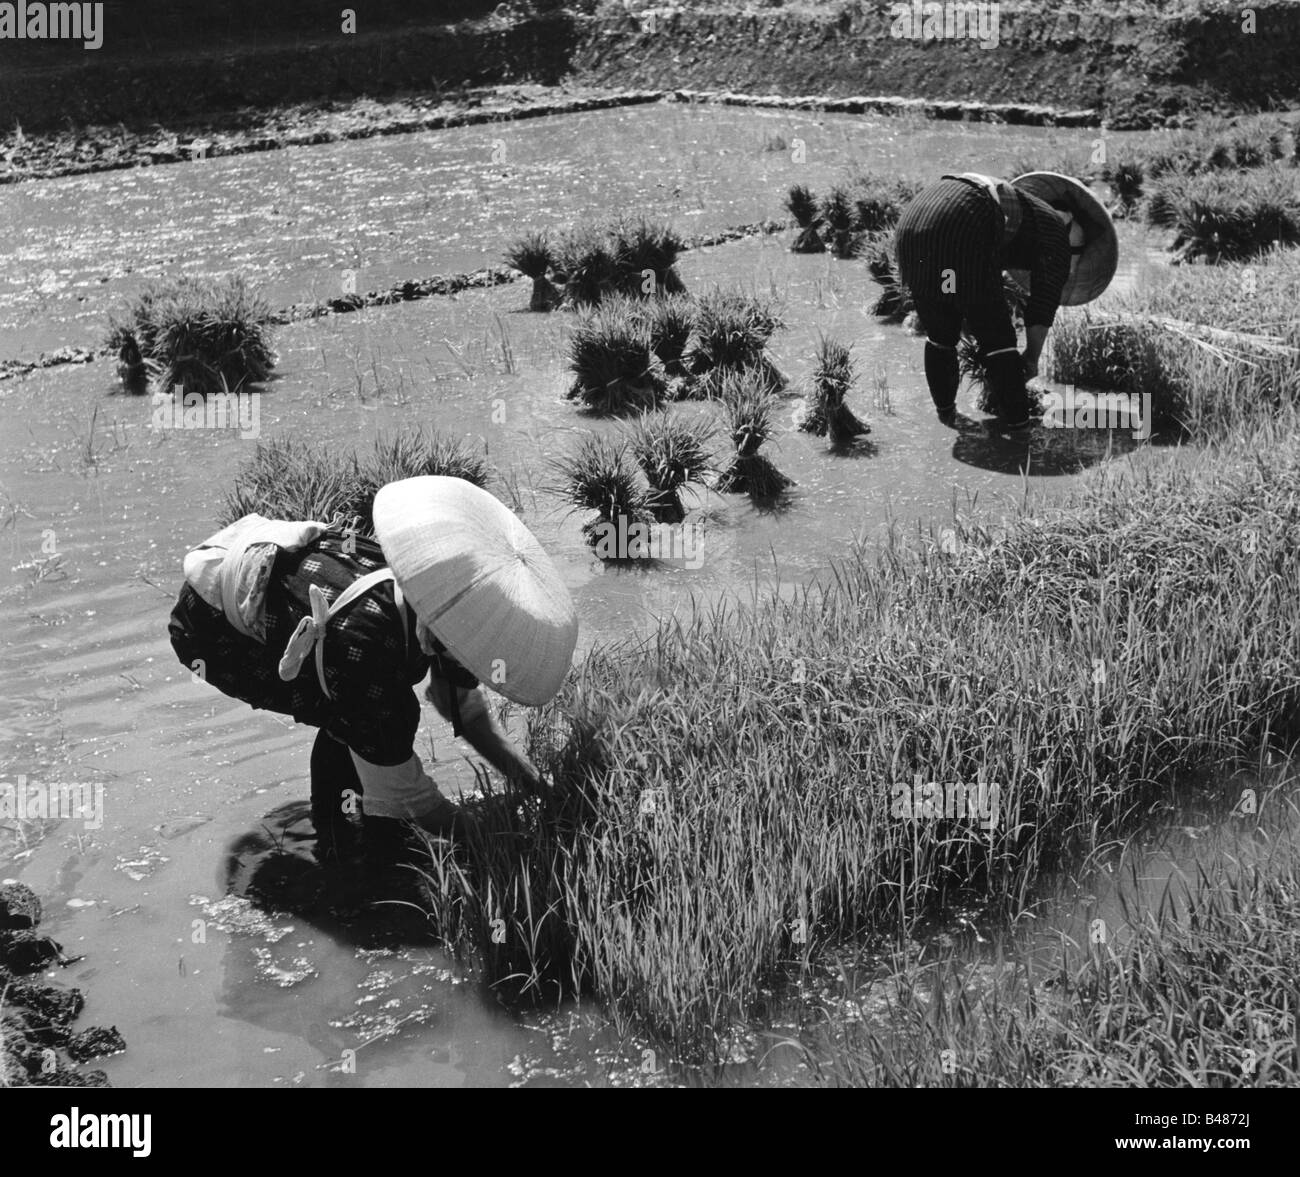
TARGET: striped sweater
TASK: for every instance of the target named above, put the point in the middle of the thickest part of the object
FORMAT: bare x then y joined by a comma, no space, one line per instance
949,242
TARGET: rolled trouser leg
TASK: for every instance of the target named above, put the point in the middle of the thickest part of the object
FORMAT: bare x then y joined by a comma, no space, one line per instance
332,777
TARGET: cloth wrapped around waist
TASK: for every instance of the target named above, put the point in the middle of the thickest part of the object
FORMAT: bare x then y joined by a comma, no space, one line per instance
231,569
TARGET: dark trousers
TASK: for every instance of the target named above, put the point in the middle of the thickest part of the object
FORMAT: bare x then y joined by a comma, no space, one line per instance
993,332
332,774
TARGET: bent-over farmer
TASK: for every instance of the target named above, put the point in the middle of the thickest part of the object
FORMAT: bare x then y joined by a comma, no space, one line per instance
336,630
955,238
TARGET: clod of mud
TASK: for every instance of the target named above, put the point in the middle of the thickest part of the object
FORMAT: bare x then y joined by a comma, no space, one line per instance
25,951
55,1006
37,1018
20,907
95,1042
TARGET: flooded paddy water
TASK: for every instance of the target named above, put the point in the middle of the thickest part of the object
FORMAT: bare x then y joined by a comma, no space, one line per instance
206,988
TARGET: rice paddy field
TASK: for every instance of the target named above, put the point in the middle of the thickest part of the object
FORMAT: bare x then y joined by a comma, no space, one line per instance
1100,624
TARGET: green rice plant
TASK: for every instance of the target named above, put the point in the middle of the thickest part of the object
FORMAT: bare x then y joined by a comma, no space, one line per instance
739,769
1212,347
646,254
671,453
1230,217
731,334
533,257
1198,993
587,268
670,321
601,476
749,405
289,479
832,377
614,364
801,203
204,336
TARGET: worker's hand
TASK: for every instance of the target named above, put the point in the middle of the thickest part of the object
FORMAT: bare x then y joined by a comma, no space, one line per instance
1030,363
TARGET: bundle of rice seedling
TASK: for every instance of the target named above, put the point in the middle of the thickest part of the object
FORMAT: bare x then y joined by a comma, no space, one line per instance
802,205
615,368
206,336
600,476
895,301
587,268
670,321
970,358
646,255
289,479
878,201
731,334
533,257
1126,178
415,453
843,236
831,380
671,453
749,405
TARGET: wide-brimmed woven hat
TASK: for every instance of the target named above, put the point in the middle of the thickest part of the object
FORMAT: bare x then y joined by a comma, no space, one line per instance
478,578
1100,255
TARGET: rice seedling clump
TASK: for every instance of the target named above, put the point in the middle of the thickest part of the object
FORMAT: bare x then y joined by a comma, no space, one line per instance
635,259
801,204
290,479
202,336
895,301
533,257
671,453
749,405
731,335
827,413
671,321
616,370
646,254
601,476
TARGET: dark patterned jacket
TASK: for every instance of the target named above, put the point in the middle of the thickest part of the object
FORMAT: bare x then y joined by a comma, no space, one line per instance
370,667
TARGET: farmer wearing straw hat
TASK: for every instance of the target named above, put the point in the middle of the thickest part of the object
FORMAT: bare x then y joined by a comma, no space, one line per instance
336,630
956,238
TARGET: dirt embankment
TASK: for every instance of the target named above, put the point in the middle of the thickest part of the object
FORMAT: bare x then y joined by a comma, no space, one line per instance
1139,65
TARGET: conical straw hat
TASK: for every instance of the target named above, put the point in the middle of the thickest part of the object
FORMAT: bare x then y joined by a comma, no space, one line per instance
478,578
1100,257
